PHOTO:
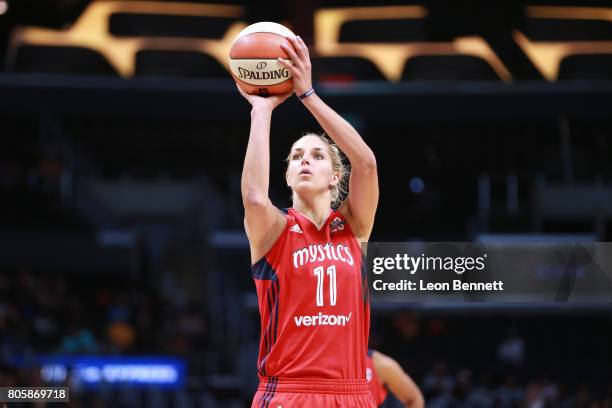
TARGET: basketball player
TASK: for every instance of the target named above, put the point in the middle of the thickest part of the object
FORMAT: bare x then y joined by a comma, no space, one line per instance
307,262
384,373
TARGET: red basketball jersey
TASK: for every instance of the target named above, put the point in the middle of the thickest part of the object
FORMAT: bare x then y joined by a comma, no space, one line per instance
313,302
377,389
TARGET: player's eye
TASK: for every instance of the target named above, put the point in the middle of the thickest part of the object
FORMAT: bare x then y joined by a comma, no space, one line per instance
296,156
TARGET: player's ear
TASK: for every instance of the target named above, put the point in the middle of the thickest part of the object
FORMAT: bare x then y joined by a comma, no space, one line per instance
335,179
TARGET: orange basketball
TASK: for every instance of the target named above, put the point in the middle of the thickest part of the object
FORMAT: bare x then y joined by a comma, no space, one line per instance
253,59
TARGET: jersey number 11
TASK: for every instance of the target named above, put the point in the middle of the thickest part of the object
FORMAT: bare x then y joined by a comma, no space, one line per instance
331,272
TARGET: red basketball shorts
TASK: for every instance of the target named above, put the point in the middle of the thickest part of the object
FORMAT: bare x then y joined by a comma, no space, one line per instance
274,392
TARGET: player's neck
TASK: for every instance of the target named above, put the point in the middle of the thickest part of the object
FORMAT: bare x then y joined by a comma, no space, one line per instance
316,210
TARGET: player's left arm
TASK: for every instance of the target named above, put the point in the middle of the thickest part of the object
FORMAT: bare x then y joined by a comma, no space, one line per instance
397,381
360,206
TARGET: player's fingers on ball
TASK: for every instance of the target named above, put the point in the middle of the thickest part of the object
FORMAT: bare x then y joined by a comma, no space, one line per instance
303,51
303,47
291,51
292,54
289,66
294,41
298,46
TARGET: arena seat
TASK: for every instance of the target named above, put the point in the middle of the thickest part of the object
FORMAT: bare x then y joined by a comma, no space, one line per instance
168,25
383,31
389,36
567,29
568,42
344,69
586,66
61,59
112,29
178,64
448,67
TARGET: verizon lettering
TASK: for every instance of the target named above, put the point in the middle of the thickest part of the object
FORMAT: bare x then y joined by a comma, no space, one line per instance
322,320
318,252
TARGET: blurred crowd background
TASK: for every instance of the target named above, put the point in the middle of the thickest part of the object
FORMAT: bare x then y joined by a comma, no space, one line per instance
121,144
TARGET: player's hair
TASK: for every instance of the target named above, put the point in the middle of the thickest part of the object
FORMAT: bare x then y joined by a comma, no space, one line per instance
339,191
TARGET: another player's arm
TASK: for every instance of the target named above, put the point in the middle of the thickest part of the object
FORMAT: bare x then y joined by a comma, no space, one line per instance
360,206
397,381
263,221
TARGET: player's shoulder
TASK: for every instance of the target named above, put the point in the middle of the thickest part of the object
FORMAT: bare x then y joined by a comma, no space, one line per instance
343,211
271,239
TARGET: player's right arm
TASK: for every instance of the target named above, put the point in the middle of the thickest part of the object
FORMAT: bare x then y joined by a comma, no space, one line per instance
263,221
397,381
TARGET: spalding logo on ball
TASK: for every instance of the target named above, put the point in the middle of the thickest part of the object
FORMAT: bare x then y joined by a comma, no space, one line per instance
253,59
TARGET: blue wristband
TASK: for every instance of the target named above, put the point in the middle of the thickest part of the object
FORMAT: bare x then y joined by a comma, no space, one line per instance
306,94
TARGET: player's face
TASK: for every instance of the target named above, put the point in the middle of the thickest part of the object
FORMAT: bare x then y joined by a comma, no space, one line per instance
310,168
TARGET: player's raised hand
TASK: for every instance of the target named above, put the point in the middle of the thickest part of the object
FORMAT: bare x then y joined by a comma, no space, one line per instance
301,69
267,103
